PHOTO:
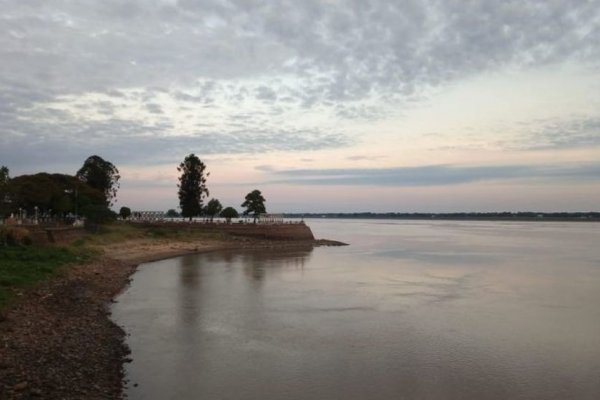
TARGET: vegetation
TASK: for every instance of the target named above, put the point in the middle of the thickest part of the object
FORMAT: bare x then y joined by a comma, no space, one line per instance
4,175
14,235
213,208
52,194
228,213
254,204
121,232
192,186
24,266
4,200
101,175
98,213
172,213
125,212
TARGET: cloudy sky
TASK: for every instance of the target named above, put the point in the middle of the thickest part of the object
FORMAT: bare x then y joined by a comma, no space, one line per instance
324,105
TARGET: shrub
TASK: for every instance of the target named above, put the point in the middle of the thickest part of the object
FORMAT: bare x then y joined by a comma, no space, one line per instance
13,236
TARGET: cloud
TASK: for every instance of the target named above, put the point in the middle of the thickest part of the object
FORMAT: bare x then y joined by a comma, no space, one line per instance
108,75
435,175
265,168
363,158
266,93
154,108
576,132
342,51
127,142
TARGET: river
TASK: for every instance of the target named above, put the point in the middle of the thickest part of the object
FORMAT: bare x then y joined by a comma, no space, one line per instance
410,310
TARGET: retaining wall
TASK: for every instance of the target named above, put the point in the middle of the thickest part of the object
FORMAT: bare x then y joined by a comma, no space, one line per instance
271,231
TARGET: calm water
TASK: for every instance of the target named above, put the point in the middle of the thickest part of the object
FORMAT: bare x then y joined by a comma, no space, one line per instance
411,310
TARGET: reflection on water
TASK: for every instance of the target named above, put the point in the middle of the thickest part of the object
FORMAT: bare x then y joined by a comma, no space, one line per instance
415,310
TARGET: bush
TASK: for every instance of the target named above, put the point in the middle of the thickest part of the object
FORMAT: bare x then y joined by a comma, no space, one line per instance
14,236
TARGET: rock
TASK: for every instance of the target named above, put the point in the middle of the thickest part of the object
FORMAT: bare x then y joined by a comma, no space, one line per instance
20,386
36,392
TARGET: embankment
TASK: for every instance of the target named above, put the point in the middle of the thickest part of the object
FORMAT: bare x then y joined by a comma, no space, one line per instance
283,231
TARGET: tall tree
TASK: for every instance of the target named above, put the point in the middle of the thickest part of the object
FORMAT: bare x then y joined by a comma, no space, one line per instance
101,175
213,208
254,204
192,186
4,176
4,197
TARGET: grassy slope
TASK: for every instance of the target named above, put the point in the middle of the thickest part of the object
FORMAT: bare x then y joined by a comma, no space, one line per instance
24,266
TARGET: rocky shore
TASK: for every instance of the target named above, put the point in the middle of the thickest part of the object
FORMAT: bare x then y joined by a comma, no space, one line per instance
58,342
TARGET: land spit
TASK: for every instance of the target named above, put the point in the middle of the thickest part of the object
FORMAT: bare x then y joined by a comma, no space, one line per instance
58,341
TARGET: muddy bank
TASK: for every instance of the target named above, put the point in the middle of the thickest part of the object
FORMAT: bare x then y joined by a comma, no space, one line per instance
58,342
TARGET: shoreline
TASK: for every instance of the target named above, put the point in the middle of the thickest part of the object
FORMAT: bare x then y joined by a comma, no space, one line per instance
58,340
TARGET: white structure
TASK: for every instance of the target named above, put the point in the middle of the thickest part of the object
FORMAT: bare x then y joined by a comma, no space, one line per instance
147,215
270,219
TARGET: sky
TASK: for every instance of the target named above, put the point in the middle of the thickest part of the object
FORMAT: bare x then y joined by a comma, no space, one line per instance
323,105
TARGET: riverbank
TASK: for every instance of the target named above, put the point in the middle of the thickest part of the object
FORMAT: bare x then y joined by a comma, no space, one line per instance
57,340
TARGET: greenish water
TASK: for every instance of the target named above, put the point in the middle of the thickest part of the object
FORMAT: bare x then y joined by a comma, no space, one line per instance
411,310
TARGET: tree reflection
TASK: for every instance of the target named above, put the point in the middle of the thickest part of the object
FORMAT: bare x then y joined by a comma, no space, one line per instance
257,264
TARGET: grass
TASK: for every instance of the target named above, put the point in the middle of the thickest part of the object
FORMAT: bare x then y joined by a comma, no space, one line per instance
119,232
22,266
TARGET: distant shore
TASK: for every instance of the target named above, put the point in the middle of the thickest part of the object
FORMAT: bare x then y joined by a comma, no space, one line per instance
467,216
58,341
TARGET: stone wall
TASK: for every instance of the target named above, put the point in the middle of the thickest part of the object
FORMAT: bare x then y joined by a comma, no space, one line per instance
271,231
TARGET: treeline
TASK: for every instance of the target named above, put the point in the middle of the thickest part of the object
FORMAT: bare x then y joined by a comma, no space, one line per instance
92,191
487,216
193,191
89,192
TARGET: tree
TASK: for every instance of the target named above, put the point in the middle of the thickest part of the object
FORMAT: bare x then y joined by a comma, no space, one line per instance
4,176
101,175
125,212
4,195
171,213
192,186
51,193
213,208
228,213
97,214
255,204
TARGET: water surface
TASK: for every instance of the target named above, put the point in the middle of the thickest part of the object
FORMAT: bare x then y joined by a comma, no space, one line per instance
411,310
